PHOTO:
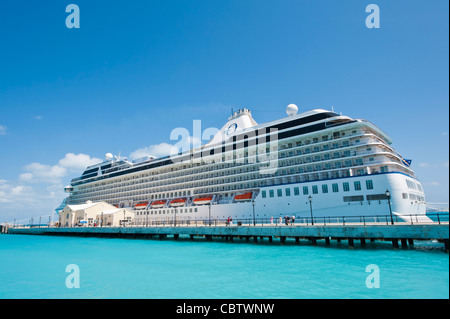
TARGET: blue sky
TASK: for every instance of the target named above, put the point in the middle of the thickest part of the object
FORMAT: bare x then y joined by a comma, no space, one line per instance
135,70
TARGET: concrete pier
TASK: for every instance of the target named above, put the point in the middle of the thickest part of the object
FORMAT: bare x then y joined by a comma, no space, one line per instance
405,233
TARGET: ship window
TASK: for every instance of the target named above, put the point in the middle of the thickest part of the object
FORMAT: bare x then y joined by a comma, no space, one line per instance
353,198
263,194
420,187
369,184
195,210
357,186
325,188
376,197
279,192
296,191
335,188
271,193
315,189
305,190
405,195
288,191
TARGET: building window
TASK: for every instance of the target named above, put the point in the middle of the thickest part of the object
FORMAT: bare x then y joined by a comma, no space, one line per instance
315,189
324,188
357,186
335,188
369,184
305,190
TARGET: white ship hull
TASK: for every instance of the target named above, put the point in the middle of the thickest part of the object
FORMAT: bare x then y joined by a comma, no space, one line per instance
330,204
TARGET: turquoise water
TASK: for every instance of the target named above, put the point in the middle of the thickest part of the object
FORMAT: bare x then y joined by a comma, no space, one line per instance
35,267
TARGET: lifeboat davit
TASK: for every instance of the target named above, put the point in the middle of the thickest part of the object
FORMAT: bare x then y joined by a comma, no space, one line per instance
177,202
141,205
202,200
158,203
243,197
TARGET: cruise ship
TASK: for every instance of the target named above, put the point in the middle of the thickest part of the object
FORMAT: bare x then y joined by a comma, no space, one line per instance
315,163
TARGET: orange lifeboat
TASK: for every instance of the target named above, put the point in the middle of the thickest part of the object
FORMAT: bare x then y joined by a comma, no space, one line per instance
243,197
141,205
158,203
202,200
177,202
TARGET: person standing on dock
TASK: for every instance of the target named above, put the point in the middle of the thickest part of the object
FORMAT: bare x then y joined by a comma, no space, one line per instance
292,219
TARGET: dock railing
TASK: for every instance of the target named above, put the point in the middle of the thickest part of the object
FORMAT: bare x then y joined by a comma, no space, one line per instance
275,221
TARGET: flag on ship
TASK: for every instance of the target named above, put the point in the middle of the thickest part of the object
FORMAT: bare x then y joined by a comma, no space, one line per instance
407,162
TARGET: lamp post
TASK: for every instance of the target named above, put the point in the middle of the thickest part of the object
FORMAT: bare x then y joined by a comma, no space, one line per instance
209,208
388,195
254,219
310,207
175,221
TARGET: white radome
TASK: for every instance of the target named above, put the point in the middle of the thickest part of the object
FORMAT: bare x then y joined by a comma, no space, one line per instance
109,157
291,109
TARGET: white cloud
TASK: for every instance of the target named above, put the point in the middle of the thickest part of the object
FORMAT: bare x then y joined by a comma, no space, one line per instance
39,189
158,150
25,201
165,149
444,164
38,117
40,173
3,130
433,183
10,193
53,174
77,162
